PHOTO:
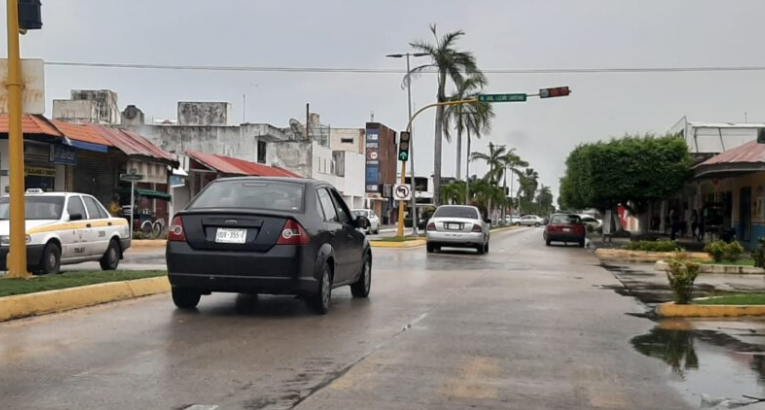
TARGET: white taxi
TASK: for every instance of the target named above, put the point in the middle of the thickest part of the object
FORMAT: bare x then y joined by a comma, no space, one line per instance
66,228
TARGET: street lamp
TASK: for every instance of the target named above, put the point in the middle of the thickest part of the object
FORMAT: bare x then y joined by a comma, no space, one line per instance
411,145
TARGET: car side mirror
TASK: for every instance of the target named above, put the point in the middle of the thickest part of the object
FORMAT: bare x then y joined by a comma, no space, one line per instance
75,217
362,222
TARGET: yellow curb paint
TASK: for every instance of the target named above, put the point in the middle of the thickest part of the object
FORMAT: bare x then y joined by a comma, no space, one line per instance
407,244
670,309
41,303
148,243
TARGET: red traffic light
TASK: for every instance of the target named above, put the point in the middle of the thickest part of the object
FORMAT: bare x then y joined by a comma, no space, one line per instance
554,92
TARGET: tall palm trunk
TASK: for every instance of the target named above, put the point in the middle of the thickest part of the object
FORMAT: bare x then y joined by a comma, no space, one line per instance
459,154
467,171
438,141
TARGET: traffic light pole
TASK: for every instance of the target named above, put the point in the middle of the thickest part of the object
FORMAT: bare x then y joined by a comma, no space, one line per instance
402,204
17,257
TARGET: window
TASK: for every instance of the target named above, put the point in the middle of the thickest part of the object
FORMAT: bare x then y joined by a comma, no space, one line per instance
284,196
566,220
346,140
344,216
75,206
456,212
36,207
261,152
94,210
327,205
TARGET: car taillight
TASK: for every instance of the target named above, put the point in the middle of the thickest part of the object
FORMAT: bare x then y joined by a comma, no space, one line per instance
477,228
431,227
293,234
176,233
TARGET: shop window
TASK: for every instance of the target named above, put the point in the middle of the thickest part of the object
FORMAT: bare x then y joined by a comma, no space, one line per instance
262,152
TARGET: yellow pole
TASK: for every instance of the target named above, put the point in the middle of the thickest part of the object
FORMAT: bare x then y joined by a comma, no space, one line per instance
17,259
402,204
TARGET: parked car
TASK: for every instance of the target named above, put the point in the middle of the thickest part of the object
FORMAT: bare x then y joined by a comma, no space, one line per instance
593,223
374,221
512,220
530,220
565,228
458,227
66,228
268,235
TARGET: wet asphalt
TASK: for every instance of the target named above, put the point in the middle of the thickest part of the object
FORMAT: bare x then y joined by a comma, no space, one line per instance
523,327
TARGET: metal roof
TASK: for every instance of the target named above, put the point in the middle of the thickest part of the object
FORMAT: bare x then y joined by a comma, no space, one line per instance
83,133
228,165
32,124
751,152
133,144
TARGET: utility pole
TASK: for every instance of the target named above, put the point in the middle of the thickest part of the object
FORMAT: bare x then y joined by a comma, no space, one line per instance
411,144
17,258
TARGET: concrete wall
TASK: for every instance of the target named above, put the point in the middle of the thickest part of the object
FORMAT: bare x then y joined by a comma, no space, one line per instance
75,111
355,165
295,156
107,109
204,113
348,139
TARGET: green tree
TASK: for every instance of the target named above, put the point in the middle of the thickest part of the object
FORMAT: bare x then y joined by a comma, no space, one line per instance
450,64
632,171
528,188
545,200
494,159
467,118
454,193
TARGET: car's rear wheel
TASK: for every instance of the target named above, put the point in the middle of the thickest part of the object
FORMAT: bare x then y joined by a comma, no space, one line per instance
536,224
486,247
111,258
320,301
581,243
361,288
481,249
430,247
185,298
51,259
547,242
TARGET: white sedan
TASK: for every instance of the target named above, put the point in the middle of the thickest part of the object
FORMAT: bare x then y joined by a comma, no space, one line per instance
530,220
66,228
374,221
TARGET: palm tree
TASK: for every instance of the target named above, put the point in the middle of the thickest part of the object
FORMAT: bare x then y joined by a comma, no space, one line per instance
494,159
545,199
467,118
513,163
453,193
450,63
529,185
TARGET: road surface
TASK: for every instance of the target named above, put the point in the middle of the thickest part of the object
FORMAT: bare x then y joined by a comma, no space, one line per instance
524,327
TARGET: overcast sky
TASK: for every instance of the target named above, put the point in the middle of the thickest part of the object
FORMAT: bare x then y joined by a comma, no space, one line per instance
503,34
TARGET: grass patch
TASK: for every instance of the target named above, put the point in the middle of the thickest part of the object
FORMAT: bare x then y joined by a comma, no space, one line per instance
737,262
399,239
756,299
9,287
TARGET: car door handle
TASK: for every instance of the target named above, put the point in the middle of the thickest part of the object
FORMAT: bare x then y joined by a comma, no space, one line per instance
88,226
110,224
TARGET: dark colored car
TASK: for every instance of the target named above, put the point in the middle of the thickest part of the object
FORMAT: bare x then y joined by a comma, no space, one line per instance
268,235
565,228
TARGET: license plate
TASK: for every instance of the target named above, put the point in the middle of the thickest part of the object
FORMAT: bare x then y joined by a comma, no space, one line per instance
566,229
453,226
228,235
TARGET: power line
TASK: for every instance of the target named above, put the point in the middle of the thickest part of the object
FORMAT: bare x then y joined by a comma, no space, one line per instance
351,70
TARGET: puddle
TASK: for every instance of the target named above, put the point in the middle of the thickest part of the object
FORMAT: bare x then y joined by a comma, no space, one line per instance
706,362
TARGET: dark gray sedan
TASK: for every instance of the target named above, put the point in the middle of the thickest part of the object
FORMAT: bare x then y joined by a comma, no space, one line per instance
268,235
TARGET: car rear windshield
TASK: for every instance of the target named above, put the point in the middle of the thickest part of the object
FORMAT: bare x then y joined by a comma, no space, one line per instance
36,207
566,220
455,212
283,196
361,213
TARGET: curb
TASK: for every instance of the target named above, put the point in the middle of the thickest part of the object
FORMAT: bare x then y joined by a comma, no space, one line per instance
670,309
148,243
723,269
401,245
53,301
643,256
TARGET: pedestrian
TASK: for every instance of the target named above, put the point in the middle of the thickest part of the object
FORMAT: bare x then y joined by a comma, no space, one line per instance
674,219
702,224
115,208
694,223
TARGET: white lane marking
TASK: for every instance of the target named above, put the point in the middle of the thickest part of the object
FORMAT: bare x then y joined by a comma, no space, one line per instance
202,407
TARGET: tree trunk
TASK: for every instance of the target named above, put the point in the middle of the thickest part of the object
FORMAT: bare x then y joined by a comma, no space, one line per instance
467,171
438,140
459,154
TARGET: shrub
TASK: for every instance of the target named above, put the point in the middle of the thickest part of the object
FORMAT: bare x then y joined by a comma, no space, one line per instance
720,250
653,246
139,235
733,251
681,275
759,255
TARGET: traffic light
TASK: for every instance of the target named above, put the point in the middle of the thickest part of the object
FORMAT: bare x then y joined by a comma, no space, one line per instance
554,92
403,146
30,17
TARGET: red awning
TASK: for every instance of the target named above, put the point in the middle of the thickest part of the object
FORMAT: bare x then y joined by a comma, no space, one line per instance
32,125
228,165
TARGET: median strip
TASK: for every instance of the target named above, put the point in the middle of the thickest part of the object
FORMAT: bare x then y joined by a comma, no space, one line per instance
50,294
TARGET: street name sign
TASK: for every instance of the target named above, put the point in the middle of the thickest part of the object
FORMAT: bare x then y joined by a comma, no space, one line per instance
494,98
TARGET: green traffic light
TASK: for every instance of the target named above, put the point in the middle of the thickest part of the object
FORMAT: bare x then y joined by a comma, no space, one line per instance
403,156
